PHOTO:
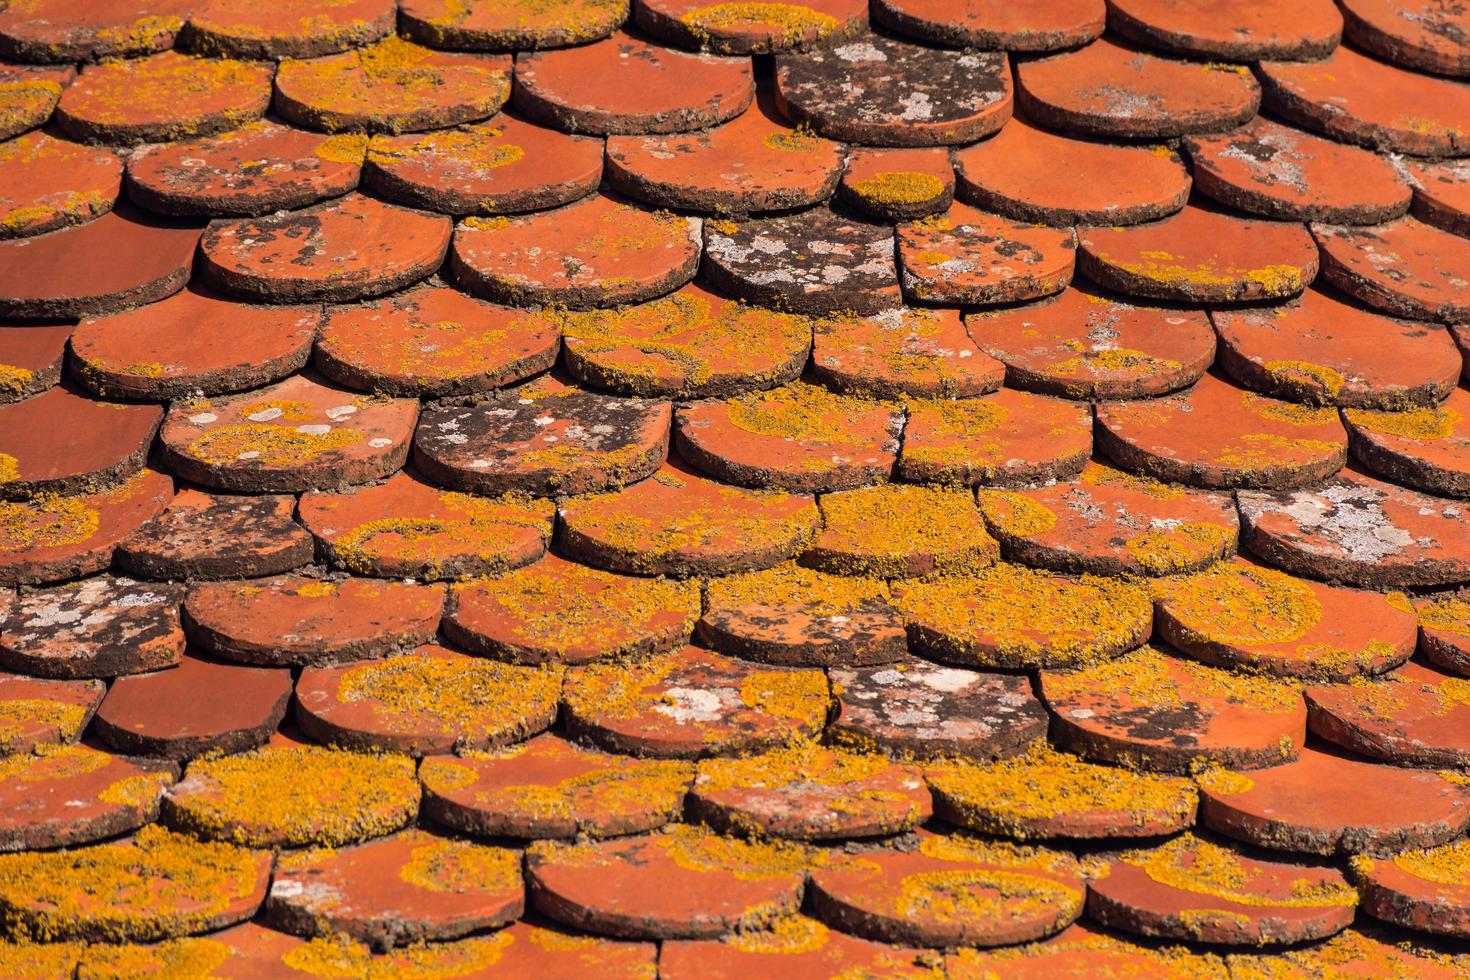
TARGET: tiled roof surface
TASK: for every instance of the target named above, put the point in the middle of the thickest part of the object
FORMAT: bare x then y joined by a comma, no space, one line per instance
538,488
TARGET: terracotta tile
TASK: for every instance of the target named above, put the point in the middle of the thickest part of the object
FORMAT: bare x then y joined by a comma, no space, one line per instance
1405,268
212,536
1423,890
1426,35
903,351
1325,351
238,950
503,165
393,86
1190,888
433,341
1201,255
89,30
1427,448
1326,803
408,888
124,258
291,28
46,183
254,170
28,95
799,437
729,28
599,251
405,528
1157,711
515,24
1015,617
201,706
430,702
558,612
1360,531
1358,952
967,257
295,620
195,342
798,617
794,946
1043,25
346,249
1081,951
685,884
1111,89
895,530
68,795
677,523
1008,438
818,261
64,536
1442,195
950,891
1242,615
154,885
1413,716
1111,523
97,627
552,788
1273,170
43,712
808,792
162,97
298,434
1358,99
692,703
1239,31
543,438
1444,631
625,84
1043,794
31,355
878,91
899,185
1033,174
1216,435
692,343
754,162
915,709
1088,345
61,442
293,795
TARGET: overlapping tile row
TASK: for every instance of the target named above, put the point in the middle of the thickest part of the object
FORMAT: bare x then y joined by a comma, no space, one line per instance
824,489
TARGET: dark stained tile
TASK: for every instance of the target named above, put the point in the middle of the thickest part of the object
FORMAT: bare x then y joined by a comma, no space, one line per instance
967,257
1242,31
37,712
897,531
1042,25
1426,35
1405,267
212,536
899,184
290,29
1414,716
730,28
31,355
47,183
1426,448
67,795
96,627
1009,438
510,25
904,351
89,30
796,945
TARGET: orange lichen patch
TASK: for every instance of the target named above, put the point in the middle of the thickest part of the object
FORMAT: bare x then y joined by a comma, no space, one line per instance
95,627
88,30
550,788
752,27
294,795
904,351
46,183
37,712
1328,803
430,702
163,97
596,252
808,792
1241,614
1427,448
1008,438
292,619
690,344
392,86
1247,31
1162,713
27,960
900,531
693,703
1011,616
1190,888
1216,435
1415,715
1356,98
1081,951
796,945
1043,793
557,611
1405,267
951,891
292,28
155,885
63,795
406,528
510,24
973,258
1083,345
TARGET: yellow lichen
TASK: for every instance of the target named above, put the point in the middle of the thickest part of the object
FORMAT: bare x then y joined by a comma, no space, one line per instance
814,593
1288,412
1304,379
1449,613
47,521
806,412
174,959
9,468
1241,605
791,934
880,530
902,188
1223,782
788,23
1419,424
19,716
792,695
799,140
1448,864
1197,866
1148,678
268,445
458,866
1180,547
695,849
1100,475
348,148
469,526
13,379
1015,514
